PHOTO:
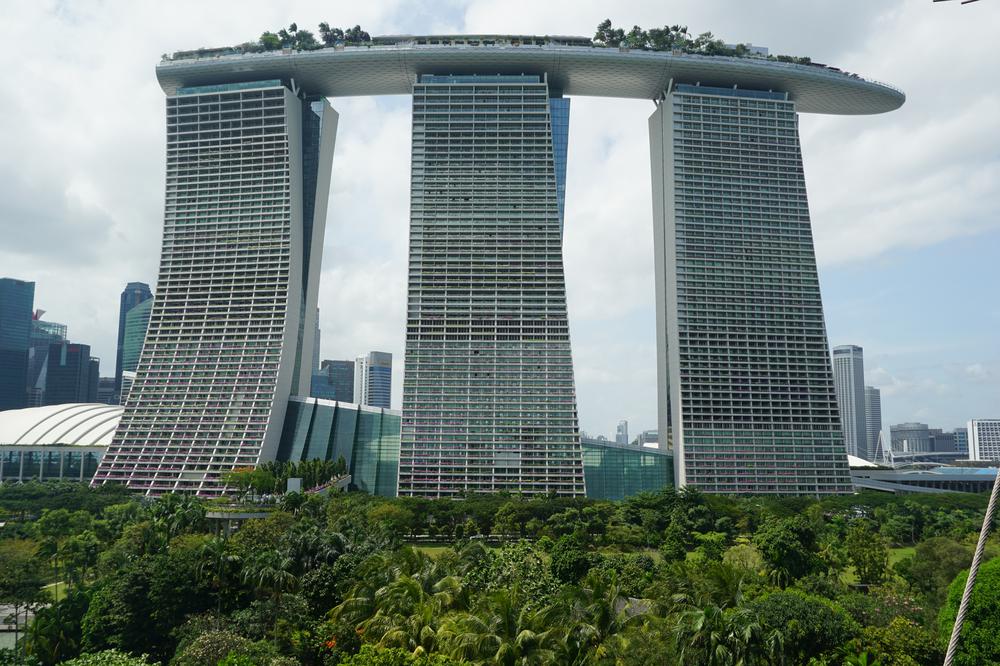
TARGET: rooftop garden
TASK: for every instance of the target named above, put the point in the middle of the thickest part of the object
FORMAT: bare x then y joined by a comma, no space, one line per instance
675,38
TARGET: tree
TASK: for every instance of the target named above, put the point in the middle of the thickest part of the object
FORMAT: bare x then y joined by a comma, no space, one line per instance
868,553
809,625
788,547
270,42
933,565
371,655
569,560
978,642
503,632
330,36
20,578
54,634
109,658
902,643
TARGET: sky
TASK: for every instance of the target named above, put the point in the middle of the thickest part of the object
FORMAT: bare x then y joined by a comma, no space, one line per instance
905,206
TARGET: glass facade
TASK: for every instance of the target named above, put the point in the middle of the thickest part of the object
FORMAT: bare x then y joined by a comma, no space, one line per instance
367,438
136,323
489,402
559,118
615,472
226,337
72,374
334,381
133,294
50,463
746,382
849,383
373,379
17,299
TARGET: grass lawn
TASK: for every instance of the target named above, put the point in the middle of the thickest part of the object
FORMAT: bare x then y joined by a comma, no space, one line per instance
433,551
895,555
53,591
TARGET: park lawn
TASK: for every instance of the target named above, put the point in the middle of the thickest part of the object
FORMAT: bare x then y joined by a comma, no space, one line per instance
895,555
433,551
57,594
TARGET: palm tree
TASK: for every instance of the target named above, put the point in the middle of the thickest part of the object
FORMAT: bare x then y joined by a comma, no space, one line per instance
271,574
502,632
592,614
216,565
717,636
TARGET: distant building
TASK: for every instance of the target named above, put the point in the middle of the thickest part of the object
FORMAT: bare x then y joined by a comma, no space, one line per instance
961,440
849,383
72,374
133,294
941,441
621,433
373,379
910,437
136,323
319,335
873,422
649,438
334,381
127,380
43,334
106,391
984,439
17,298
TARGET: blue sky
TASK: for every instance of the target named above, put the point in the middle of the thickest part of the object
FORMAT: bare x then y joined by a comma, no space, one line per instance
905,205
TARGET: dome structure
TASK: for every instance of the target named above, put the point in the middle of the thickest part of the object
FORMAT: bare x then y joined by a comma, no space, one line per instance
75,424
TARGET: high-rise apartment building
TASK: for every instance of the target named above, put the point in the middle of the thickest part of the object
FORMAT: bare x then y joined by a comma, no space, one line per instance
849,383
873,423
72,374
231,331
334,381
136,324
489,402
910,437
17,298
984,439
133,294
373,379
621,432
745,379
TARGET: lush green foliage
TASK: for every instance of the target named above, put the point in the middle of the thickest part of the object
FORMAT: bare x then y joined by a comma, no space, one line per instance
980,638
662,578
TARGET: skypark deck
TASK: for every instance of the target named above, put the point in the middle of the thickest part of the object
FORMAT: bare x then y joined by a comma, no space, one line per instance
392,69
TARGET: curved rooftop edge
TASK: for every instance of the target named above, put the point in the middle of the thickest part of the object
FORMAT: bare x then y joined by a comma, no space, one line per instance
571,70
73,424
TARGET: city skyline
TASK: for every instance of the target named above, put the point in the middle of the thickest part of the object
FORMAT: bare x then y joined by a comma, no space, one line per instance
927,372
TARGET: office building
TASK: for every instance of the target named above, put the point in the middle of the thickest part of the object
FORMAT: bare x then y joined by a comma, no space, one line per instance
17,299
489,398
43,334
489,401
745,378
128,378
373,379
334,381
961,440
316,344
621,432
133,294
984,439
136,323
910,437
873,423
231,332
72,374
849,383
106,391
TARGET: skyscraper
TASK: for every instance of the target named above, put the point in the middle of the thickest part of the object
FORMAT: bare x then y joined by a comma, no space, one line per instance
334,381
136,324
621,433
17,299
373,379
746,387
873,422
489,402
72,374
849,382
231,332
43,334
133,294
